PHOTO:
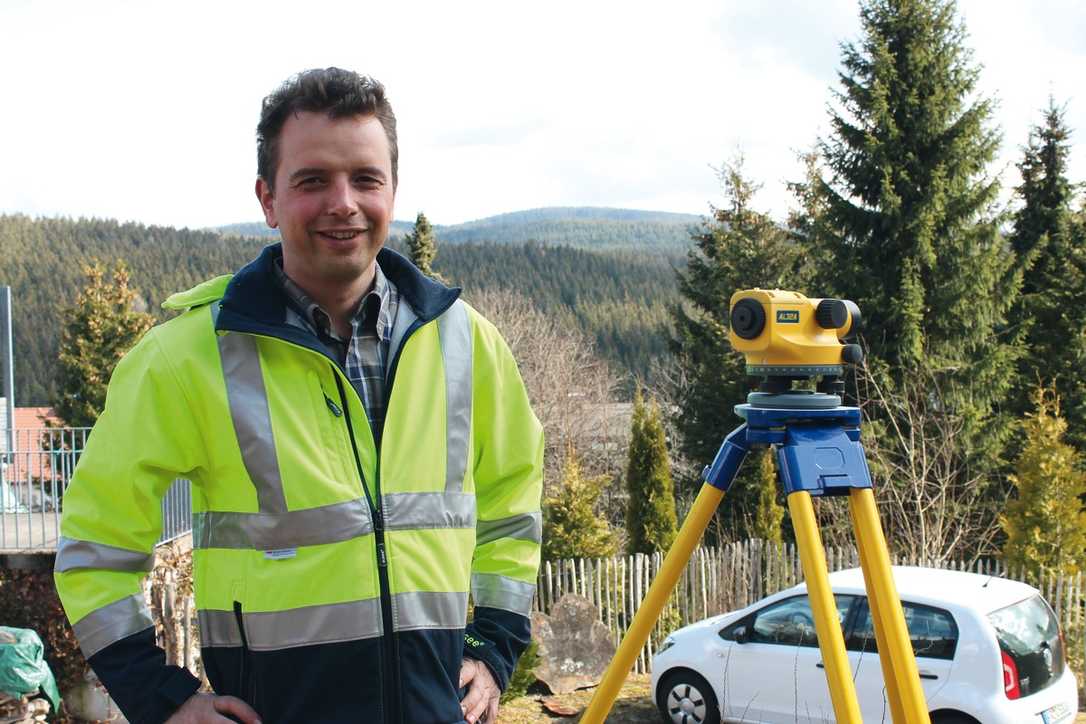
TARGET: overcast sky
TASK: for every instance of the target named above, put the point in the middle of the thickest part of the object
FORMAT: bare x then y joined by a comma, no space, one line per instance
146,110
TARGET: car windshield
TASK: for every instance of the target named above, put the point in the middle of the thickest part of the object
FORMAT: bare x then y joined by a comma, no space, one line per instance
1028,632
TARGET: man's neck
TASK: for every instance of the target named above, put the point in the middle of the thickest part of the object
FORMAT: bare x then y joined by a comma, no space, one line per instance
339,300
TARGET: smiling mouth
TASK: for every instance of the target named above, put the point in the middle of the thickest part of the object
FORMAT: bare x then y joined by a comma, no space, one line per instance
342,235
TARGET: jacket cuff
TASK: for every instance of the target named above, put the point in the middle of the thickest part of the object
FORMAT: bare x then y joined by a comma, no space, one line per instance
135,673
497,638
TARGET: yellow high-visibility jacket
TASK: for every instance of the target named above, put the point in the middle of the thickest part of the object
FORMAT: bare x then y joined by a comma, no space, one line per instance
327,571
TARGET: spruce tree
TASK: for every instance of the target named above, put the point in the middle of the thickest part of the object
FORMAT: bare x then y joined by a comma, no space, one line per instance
422,246
1051,309
908,227
98,330
737,248
650,513
571,527
1045,524
911,237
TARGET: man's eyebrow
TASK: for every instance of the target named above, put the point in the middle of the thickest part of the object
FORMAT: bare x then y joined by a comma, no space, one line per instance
371,170
306,172
314,171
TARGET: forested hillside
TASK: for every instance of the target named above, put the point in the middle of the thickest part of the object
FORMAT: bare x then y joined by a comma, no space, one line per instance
618,298
583,227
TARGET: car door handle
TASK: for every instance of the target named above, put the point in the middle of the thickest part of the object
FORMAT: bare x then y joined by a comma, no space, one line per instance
819,665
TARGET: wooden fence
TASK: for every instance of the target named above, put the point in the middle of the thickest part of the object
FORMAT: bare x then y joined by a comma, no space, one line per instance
717,580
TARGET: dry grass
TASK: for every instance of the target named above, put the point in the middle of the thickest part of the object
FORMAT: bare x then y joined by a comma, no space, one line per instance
633,706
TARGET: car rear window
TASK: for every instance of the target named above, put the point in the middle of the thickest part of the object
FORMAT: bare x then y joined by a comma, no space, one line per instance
932,631
1029,633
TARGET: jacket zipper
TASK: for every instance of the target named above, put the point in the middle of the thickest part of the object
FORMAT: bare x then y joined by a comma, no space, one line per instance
388,641
247,674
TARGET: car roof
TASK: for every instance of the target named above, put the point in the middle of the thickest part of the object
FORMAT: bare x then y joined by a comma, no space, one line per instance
939,587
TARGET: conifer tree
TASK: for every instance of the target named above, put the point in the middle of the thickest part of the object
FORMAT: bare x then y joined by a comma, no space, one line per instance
768,513
422,246
650,514
1045,524
737,248
571,526
911,237
1051,308
908,226
98,330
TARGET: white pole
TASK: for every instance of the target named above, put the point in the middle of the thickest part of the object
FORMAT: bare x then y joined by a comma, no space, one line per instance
7,355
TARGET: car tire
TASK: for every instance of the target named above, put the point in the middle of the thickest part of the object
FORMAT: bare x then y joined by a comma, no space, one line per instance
953,717
685,697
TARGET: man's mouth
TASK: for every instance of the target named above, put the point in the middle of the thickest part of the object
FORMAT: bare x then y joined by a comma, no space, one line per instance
345,235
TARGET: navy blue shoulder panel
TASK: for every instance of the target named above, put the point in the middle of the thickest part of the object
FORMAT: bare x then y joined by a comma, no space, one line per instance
427,297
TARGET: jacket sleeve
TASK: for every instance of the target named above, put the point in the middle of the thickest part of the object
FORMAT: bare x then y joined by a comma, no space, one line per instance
144,439
508,474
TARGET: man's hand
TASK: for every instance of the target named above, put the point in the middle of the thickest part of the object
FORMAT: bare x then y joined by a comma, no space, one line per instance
480,704
211,709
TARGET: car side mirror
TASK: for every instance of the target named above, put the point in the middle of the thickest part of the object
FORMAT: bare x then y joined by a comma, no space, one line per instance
742,635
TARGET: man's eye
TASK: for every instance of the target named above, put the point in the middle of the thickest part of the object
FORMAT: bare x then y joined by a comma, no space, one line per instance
368,181
311,181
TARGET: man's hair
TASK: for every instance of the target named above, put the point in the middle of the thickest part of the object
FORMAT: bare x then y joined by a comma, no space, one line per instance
334,91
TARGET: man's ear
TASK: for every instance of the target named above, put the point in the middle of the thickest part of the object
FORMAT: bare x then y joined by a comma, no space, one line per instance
266,198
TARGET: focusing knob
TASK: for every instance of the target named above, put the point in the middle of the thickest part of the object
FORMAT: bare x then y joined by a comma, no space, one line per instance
748,318
852,354
831,314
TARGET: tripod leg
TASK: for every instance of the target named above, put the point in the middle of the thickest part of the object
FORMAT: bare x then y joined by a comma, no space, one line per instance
889,678
830,640
895,649
689,536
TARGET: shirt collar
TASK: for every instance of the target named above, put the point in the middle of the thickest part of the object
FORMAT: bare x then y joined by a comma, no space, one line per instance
315,315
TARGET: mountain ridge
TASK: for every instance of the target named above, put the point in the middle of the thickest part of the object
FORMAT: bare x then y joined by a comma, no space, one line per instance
588,227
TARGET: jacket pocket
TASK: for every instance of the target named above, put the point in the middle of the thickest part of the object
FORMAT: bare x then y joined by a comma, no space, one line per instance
335,450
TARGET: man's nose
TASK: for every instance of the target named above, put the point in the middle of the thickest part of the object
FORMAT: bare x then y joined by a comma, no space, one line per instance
340,199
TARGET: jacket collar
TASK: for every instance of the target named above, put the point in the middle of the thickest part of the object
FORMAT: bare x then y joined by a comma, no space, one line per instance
254,301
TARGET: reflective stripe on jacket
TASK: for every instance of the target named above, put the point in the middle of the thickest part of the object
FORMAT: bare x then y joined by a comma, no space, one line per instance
311,545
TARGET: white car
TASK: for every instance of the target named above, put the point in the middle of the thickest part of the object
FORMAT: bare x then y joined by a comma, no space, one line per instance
988,650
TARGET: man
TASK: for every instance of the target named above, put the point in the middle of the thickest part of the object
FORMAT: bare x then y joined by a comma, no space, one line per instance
362,455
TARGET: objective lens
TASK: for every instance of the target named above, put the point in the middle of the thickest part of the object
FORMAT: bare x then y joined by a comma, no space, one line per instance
748,318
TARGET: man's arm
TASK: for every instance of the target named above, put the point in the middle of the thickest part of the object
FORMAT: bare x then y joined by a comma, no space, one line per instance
508,474
112,518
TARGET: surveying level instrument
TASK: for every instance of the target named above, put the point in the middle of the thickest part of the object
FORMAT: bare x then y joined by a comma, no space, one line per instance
787,337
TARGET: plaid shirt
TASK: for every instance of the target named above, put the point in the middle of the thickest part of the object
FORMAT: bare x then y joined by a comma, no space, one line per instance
365,354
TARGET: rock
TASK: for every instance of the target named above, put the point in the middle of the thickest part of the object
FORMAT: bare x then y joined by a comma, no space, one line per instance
90,701
553,706
574,645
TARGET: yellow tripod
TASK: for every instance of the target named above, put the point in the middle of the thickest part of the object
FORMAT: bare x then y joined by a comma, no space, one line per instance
818,453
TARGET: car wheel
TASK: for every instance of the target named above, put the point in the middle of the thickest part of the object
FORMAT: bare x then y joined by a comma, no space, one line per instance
952,718
684,697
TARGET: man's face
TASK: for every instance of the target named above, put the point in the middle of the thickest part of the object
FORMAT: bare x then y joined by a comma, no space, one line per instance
333,198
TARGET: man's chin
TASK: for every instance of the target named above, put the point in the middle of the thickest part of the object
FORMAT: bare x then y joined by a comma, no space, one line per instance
346,269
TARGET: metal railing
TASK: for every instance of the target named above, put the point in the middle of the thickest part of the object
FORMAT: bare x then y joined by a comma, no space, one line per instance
33,477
